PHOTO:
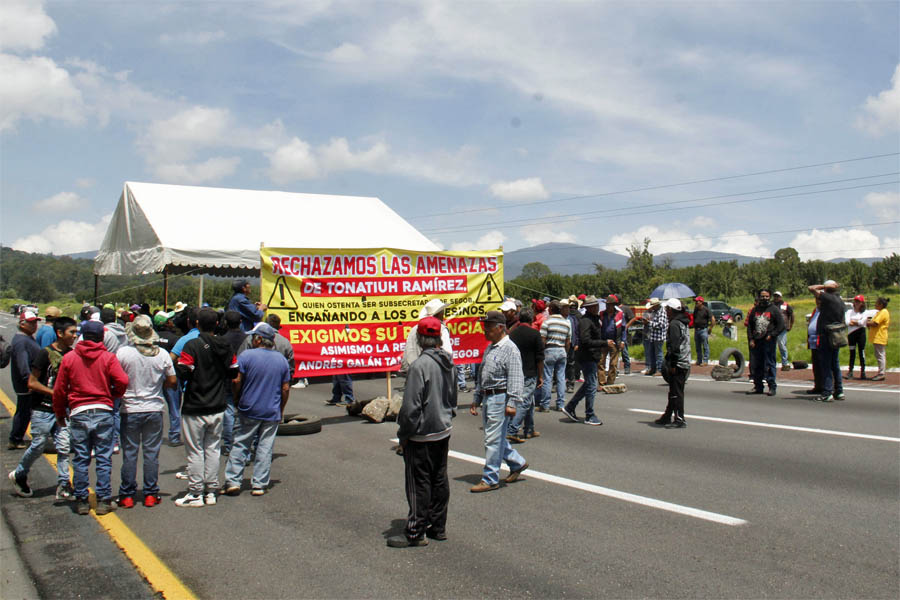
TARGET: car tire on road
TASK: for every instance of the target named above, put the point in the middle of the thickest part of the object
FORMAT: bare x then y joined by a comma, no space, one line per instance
299,425
800,365
739,363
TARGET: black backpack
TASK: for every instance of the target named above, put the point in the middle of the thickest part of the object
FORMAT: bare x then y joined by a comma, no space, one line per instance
5,352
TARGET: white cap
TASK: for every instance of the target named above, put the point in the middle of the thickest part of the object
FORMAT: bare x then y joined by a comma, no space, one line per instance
777,293
564,302
673,303
432,307
508,305
831,283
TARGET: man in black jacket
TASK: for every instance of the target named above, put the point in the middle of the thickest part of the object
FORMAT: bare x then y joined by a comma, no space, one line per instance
590,340
429,402
764,324
207,364
831,312
531,347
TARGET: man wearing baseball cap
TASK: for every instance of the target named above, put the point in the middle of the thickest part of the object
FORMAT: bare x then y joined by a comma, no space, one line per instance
831,316
424,424
24,349
499,387
261,391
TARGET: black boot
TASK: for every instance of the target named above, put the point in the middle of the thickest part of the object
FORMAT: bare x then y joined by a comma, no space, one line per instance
665,419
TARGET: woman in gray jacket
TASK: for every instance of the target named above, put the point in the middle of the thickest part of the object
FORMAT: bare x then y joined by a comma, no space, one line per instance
677,365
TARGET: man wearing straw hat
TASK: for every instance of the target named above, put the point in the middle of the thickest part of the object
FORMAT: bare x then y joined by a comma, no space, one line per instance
149,369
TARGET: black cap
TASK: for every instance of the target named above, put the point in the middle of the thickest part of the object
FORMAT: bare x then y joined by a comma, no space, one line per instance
494,316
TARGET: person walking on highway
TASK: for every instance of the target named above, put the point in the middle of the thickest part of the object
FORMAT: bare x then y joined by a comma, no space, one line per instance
88,380
24,349
590,341
149,369
499,388
556,334
764,325
677,363
207,365
261,391
423,428
831,314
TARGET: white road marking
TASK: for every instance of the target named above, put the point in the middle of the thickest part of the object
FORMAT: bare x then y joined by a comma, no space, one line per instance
603,491
865,436
743,381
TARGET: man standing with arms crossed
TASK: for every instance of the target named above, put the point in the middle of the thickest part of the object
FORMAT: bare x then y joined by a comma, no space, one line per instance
499,387
764,325
424,424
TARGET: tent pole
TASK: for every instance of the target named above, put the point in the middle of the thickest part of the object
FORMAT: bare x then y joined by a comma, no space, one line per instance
388,373
166,289
200,294
96,288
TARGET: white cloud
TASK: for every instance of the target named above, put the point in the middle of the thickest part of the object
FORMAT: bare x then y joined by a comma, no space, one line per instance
37,88
61,202
489,241
520,190
886,205
346,53
211,170
192,38
292,161
177,137
702,221
543,234
65,237
881,113
24,25
85,182
840,243
337,156
664,242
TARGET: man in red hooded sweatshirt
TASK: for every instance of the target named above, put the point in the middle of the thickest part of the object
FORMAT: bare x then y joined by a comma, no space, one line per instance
88,380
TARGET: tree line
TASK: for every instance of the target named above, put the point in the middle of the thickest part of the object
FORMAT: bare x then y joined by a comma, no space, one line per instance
720,280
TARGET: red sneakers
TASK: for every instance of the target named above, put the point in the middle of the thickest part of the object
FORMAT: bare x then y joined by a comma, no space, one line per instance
151,501
126,502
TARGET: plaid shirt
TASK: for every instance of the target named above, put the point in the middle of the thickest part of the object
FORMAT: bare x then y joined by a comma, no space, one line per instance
659,325
501,367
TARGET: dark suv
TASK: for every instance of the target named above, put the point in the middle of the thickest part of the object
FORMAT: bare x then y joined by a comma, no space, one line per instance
720,309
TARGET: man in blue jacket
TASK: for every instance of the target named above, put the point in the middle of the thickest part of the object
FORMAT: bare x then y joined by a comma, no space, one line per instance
429,402
251,313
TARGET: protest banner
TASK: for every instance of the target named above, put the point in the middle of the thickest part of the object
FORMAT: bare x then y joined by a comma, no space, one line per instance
350,311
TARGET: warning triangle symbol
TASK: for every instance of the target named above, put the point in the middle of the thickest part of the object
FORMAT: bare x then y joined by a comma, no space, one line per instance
489,293
282,298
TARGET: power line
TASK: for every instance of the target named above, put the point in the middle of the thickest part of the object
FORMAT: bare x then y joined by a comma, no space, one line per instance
657,187
719,237
580,217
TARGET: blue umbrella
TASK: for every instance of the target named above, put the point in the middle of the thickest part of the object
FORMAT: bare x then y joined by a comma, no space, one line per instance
672,290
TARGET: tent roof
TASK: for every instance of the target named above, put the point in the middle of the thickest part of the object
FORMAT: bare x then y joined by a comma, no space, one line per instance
218,231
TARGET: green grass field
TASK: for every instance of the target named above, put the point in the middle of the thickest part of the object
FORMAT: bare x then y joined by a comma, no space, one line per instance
796,341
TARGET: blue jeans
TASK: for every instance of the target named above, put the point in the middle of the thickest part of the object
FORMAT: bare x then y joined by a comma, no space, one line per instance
701,342
525,410
655,359
245,431
43,428
228,422
626,358
782,348
588,389
92,430
341,385
829,366
460,376
143,429
173,402
763,354
554,368
496,446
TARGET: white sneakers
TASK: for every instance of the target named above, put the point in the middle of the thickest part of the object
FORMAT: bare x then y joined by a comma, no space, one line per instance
210,498
190,501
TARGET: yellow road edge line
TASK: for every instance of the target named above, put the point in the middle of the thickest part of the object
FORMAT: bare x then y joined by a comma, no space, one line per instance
144,560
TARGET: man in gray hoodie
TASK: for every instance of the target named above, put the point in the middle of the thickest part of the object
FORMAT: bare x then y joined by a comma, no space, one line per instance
429,402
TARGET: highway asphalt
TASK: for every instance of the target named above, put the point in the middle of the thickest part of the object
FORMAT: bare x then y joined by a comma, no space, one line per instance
743,508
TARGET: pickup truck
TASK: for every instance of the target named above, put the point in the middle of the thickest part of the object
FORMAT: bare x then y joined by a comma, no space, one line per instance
719,309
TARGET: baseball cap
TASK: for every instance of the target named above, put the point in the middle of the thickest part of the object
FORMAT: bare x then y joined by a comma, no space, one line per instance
777,293
28,316
494,316
92,331
161,317
52,311
831,283
860,298
673,303
429,326
263,330
612,299
507,305
698,299
582,296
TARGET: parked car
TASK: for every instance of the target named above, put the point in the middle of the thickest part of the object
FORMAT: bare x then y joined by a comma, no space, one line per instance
23,307
719,309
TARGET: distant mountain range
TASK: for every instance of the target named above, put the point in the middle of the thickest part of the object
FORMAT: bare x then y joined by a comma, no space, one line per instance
574,259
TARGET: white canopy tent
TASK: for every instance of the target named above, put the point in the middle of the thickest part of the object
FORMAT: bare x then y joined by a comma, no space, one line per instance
160,228
176,229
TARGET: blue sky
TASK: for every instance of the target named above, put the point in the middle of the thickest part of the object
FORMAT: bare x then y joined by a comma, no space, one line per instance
482,123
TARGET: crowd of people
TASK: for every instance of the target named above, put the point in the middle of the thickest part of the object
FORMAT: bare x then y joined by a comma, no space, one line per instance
99,385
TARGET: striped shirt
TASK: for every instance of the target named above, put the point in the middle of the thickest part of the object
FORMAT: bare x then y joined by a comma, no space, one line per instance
556,331
501,367
659,325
